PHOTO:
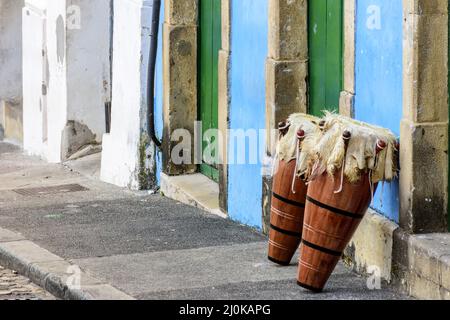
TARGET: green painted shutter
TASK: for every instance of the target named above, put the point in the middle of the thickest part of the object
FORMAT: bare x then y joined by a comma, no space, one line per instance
325,29
209,45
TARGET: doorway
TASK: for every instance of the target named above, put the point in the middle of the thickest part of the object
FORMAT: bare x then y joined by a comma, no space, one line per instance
325,37
210,40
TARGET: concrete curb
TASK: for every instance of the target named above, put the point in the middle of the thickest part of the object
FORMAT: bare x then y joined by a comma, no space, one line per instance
51,272
421,264
194,190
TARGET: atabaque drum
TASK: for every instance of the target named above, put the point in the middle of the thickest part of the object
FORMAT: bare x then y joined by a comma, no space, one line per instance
289,190
351,158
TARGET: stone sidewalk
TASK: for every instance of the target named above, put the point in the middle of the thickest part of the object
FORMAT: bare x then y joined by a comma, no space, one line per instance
134,245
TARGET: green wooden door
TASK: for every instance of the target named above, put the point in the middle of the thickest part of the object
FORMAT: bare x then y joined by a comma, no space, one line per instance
325,29
209,45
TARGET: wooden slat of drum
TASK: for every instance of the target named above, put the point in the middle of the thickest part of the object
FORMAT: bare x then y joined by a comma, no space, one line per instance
285,215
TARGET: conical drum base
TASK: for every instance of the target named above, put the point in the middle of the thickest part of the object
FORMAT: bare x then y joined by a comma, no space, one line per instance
331,220
287,214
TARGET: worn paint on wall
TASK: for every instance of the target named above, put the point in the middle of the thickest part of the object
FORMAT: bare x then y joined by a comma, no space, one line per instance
88,64
124,149
159,122
11,50
249,40
379,78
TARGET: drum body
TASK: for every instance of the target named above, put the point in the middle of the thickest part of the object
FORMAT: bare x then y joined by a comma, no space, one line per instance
330,222
287,213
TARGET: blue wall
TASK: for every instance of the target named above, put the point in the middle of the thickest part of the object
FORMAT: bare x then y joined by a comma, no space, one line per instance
379,78
247,110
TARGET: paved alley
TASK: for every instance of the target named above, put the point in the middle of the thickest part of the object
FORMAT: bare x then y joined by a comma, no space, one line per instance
136,245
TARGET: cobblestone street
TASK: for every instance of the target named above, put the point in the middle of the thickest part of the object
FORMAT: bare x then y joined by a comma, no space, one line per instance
16,287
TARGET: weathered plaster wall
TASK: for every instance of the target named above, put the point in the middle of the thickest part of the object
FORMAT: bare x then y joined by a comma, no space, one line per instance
379,78
249,53
54,70
159,91
11,50
44,75
66,75
11,70
88,67
128,156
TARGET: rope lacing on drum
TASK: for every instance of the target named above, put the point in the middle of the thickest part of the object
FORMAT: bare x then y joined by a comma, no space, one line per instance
300,137
372,191
380,146
346,136
313,172
341,187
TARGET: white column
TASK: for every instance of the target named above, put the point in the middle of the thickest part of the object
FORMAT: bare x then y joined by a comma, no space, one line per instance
128,156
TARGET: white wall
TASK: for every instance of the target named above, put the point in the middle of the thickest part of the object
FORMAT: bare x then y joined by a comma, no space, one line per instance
75,69
122,148
11,68
88,70
57,77
11,49
34,75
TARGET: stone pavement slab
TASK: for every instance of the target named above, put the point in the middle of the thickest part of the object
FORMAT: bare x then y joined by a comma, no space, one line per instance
135,225
239,271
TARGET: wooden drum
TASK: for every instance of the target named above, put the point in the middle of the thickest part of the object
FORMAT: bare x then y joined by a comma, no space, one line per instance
289,190
286,220
330,222
351,158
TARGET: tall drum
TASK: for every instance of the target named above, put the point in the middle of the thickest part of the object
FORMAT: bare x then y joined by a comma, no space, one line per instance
286,219
350,159
330,222
289,190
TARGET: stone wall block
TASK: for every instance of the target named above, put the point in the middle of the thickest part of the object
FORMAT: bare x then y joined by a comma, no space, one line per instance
181,12
426,68
286,91
180,90
424,177
425,6
288,29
